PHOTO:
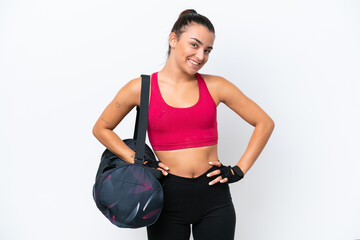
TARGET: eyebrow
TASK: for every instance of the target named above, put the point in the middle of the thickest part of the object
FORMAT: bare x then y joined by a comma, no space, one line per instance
201,43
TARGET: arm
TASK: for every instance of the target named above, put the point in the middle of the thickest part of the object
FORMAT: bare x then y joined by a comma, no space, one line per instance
125,100
248,110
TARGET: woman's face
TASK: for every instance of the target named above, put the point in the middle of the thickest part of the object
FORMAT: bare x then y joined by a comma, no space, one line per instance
191,50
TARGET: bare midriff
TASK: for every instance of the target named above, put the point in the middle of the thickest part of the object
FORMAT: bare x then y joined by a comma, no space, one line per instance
189,162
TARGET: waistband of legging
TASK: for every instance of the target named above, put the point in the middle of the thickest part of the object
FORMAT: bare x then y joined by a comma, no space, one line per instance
203,176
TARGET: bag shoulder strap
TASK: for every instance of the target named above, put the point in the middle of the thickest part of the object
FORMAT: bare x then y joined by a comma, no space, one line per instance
142,118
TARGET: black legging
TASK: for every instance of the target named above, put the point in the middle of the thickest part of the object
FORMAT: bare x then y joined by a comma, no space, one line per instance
192,201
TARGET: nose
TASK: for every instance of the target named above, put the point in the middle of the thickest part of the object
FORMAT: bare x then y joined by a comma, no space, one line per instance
200,55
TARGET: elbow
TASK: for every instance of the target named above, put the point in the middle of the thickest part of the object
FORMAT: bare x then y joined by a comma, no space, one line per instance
97,131
100,131
94,131
270,125
267,124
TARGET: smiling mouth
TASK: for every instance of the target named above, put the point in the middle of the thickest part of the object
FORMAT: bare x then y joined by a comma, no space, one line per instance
194,63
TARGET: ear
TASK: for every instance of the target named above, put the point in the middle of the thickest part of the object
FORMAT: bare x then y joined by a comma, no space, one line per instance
172,39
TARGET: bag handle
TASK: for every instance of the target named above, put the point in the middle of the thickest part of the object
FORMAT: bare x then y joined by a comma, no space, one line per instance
142,118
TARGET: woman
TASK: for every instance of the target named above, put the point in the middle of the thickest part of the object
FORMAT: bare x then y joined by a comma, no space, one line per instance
182,130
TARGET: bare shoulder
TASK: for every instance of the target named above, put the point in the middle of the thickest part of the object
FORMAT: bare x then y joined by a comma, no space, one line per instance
212,79
219,86
130,92
235,99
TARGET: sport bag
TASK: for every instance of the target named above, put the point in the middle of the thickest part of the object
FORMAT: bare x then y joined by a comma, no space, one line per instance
130,195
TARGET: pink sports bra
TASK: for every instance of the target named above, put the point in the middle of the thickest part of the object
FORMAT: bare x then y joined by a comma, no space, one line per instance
171,128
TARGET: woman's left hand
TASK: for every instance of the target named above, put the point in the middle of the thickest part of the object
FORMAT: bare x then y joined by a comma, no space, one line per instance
227,174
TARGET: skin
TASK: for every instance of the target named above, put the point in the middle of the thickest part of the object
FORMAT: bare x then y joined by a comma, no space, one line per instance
179,88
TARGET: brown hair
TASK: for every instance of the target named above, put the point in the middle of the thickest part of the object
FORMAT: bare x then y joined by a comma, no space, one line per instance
185,18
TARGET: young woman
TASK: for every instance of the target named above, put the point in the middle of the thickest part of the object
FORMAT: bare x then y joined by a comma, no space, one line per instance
182,130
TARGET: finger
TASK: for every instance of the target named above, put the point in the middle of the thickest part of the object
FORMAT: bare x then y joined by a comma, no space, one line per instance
217,163
165,173
213,173
162,169
216,180
163,166
224,180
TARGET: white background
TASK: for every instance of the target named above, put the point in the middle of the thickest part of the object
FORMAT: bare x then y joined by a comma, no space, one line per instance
62,62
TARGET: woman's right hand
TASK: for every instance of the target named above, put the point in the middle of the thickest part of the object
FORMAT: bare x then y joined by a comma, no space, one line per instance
163,168
158,165
125,100
155,167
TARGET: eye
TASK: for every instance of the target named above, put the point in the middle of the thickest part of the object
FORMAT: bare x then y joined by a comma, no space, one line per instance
207,51
194,44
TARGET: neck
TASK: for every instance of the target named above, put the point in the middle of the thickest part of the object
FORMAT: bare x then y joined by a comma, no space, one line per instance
172,72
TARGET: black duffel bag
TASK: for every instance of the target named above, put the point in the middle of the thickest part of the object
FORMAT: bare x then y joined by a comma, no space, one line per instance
130,195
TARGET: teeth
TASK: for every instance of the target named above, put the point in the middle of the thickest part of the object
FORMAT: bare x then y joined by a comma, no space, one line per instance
194,62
